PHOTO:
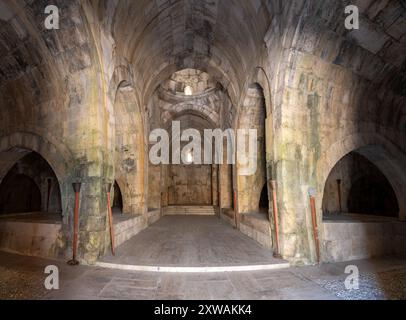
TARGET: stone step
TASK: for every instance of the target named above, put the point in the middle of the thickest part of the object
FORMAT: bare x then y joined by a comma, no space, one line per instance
189,210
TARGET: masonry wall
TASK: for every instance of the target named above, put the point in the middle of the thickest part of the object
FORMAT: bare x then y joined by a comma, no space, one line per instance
80,96
53,103
154,186
346,241
329,99
130,163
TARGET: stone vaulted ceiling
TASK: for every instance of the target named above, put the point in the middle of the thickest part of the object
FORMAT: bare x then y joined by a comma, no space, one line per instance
80,95
224,38
160,37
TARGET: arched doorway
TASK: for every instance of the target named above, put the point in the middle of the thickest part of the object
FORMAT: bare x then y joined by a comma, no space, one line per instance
117,204
30,186
253,115
253,200
355,185
360,208
30,207
192,100
128,139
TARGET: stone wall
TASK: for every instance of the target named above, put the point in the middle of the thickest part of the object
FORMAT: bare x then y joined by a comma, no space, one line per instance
130,160
126,227
154,186
226,186
190,185
53,101
345,241
330,96
83,97
257,227
31,239
13,195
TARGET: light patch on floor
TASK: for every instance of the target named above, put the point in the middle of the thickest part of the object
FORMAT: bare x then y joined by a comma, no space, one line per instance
275,266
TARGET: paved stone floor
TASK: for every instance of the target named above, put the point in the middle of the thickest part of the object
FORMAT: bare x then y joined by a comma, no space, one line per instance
198,241
23,278
191,241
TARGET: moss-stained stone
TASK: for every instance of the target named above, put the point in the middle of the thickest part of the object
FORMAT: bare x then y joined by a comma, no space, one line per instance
86,98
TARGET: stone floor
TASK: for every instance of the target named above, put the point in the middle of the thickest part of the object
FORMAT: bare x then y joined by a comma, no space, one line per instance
198,241
190,241
23,278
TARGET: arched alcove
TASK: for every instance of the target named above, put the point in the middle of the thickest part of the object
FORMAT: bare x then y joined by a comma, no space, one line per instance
356,186
253,201
30,186
360,207
129,155
253,115
117,204
191,184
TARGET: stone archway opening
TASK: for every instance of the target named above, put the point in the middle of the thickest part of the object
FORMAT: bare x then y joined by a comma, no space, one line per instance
117,205
30,207
253,115
192,98
192,196
253,199
30,186
357,186
360,208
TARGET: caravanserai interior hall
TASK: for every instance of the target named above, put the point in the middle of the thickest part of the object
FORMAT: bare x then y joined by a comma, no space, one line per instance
122,125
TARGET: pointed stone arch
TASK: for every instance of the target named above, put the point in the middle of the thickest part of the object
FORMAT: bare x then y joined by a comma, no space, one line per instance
377,149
